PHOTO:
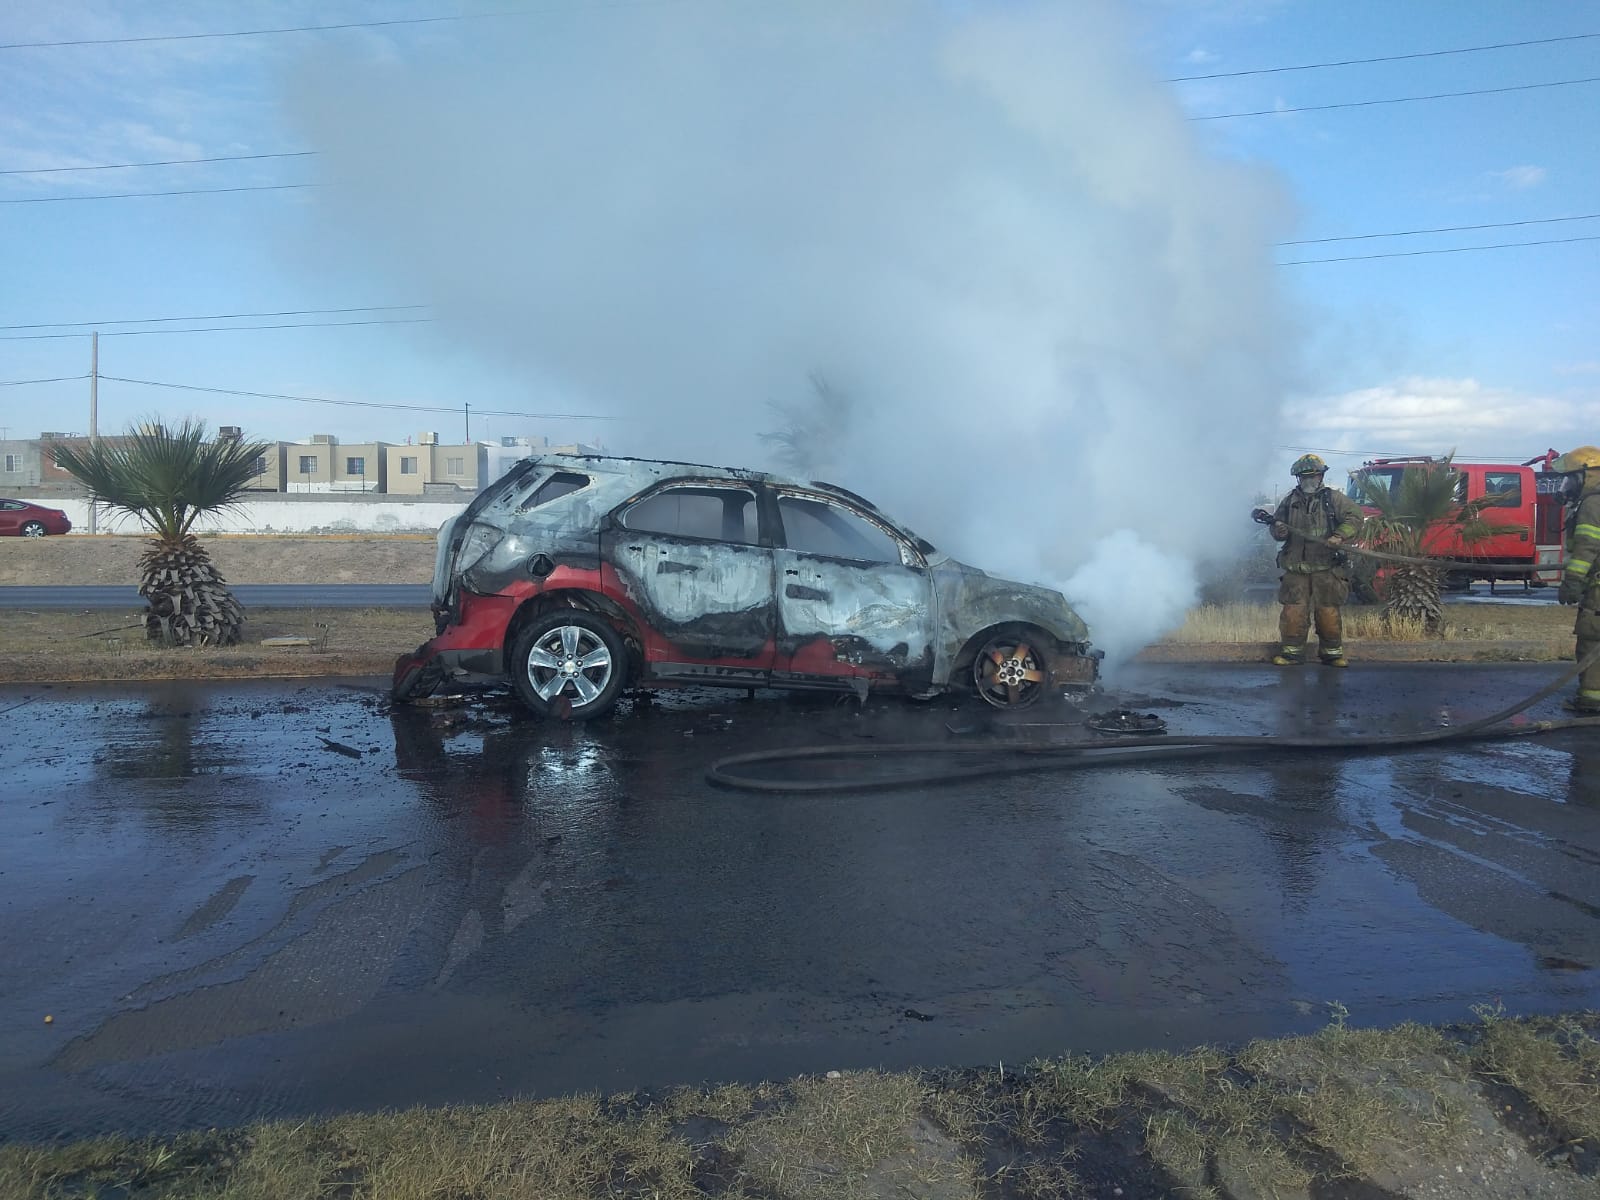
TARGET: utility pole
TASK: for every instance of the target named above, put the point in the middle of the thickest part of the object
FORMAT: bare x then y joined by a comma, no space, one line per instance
94,406
466,407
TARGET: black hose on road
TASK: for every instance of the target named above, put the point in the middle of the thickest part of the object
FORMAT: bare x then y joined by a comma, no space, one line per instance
1100,751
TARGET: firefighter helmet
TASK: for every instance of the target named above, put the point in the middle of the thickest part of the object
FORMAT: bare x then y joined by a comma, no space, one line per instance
1580,459
1310,464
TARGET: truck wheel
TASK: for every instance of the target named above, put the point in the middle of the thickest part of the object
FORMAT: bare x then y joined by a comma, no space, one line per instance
569,664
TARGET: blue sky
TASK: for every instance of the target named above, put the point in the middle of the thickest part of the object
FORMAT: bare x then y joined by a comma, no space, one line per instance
1490,353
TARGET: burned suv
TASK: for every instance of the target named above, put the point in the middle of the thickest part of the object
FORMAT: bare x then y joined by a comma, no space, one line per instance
576,577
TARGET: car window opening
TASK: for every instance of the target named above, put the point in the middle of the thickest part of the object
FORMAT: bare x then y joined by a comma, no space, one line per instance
816,527
710,514
562,483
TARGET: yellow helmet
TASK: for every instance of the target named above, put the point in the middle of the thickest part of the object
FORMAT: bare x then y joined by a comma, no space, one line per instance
1311,464
1580,459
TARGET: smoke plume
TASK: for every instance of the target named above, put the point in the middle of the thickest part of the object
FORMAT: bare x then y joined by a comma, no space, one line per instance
1051,310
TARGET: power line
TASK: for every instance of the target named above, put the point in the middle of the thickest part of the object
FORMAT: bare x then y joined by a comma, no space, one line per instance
1357,237
484,412
167,162
189,37
1521,87
1458,456
260,187
33,337
295,312
55,379
1353,62
1300,262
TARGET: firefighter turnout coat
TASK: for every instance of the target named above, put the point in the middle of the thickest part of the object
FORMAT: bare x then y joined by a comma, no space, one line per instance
1318,515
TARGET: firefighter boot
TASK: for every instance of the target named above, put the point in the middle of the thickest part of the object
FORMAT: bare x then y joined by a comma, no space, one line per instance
1330,637
1293,624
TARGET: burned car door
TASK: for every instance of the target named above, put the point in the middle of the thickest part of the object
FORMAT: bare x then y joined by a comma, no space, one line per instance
855,599
690,559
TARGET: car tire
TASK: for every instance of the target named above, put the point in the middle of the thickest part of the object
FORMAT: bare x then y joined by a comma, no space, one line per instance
1008,671
569,664
33,529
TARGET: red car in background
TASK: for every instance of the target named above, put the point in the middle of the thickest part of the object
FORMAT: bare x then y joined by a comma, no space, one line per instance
18,517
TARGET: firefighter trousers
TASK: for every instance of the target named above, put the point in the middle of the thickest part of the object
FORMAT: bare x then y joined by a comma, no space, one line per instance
1319,596
1587,629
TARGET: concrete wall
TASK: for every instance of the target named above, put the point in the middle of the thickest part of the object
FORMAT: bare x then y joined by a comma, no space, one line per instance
310,513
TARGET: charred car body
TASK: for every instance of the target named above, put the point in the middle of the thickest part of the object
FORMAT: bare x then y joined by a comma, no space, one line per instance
575,577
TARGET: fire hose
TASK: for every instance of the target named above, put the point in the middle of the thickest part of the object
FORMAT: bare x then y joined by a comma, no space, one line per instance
1262,517
1101,751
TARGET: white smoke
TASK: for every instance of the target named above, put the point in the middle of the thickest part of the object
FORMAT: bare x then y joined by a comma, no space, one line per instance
1053,312
1129,592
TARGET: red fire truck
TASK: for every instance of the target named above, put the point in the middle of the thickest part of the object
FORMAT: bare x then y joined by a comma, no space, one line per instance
1524,500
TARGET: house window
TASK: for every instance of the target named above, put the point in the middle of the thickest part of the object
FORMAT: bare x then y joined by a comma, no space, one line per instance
13,463
408,466
455,466
261,464
355,466
308,464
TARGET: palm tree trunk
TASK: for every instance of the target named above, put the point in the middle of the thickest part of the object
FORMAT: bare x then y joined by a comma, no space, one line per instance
1413,596
188,602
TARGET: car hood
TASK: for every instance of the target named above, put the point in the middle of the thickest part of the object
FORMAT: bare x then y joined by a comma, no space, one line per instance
970,600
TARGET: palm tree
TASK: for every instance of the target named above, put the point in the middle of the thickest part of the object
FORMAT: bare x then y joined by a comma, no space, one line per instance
1422,506
168,478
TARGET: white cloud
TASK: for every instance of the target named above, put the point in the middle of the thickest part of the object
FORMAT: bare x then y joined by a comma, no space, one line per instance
1201,57
1521,178
1417,415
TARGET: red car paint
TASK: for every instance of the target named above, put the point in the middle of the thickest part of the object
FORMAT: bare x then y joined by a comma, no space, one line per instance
18,515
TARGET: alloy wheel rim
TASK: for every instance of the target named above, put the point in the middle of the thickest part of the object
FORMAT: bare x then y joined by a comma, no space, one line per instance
569,660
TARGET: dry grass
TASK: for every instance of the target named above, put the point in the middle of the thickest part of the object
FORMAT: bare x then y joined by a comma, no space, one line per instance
1553,1061
1276,1118
1258,623
61,646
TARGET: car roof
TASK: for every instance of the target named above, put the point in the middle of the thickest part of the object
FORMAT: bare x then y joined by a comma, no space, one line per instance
667,468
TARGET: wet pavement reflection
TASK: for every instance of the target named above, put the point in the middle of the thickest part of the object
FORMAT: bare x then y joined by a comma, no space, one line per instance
265,899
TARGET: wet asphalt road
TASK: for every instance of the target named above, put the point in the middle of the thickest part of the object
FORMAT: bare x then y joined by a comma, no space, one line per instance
246,900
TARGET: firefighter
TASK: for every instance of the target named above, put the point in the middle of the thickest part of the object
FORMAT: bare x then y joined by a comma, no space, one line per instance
1581,489
1315,576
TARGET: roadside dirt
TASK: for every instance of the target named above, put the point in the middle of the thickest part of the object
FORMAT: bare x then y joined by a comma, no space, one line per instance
257,558
58,646
61,646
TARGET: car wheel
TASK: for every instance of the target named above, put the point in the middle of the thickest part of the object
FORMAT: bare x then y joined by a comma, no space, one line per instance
33,529
1008,672
569,664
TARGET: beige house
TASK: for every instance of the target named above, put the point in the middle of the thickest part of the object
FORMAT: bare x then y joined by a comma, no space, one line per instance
430,467
325,465
269,469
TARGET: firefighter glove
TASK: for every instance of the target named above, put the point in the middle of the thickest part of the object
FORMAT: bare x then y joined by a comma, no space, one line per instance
1280,530
1571,590
1333,539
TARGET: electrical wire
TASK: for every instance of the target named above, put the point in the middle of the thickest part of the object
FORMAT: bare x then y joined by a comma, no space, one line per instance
293,312
1357,237
168,162
1521,87
1301,262
1354,62
233,33
256,187
34,337
482,412
53,379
